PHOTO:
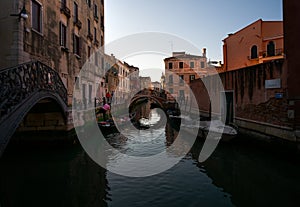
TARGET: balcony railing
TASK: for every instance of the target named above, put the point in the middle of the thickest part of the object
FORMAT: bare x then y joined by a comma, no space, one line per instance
65,10
90,36
96,17
78,23
96,42
277,52
266,54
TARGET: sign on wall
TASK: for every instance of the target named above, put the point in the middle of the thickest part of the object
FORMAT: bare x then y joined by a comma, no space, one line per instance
273,83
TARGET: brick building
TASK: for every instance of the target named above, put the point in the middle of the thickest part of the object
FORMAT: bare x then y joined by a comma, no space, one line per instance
261,92
61,34
181,69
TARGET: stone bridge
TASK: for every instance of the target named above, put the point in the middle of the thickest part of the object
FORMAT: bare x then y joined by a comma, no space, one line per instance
30,89
158,99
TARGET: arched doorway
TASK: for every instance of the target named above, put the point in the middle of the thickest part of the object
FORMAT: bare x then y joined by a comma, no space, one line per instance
271,49
254,52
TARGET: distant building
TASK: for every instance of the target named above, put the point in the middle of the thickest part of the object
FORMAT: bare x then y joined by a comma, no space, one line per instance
145,83
181,69
156,85
259,42
112,74
162,81
123,89
133,77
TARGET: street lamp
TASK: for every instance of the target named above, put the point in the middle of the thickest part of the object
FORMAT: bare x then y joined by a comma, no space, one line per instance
23,14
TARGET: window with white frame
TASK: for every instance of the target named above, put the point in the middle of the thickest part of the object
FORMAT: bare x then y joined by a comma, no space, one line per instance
36,16
76,44
62,34
202,64
192,77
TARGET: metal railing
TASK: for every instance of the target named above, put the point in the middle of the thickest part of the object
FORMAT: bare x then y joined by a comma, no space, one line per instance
19,82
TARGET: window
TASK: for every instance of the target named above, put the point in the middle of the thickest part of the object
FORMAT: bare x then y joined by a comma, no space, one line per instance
181,94
171,91
95,34
181,78
102,22
89,51
271,49
170,65
192,64
36,16
254,52
95,11
89,2
76,82
102,40
192,77
89,26
171,79
76,45
180,64
202,64
96,59
62,34
75,12
63,3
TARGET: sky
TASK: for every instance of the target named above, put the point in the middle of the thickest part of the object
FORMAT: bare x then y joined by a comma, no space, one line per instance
204,24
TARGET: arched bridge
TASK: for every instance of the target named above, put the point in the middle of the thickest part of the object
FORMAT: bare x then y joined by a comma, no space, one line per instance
157,98
26,88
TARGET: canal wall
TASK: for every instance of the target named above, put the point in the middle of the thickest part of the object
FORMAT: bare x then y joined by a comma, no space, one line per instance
259,99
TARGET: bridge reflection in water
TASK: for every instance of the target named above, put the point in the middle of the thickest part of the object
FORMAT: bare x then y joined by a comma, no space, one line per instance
240,173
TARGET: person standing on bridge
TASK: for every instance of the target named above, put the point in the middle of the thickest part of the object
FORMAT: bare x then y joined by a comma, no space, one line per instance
108,97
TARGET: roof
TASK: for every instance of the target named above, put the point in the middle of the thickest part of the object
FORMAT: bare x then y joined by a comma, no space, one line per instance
259,20
185,56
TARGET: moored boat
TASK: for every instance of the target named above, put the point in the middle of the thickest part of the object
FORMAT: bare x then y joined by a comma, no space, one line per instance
214,129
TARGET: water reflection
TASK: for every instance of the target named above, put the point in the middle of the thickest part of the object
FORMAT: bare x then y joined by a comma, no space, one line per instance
51,177
253,174
239,173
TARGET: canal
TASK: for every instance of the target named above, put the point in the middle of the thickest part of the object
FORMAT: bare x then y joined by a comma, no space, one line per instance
239,173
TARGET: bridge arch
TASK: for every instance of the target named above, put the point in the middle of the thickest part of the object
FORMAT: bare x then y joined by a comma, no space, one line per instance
12,121
24,86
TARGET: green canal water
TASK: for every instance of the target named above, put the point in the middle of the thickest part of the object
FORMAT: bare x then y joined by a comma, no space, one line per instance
239,173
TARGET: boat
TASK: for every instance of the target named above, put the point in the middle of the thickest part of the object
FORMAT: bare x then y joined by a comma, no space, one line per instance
214,128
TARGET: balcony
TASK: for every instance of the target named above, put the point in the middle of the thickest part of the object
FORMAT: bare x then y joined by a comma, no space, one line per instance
266,56
78,23
277,52
96,17
65,10
90,36
96,42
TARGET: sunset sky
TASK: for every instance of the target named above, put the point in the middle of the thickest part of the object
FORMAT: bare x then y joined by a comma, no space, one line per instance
202,23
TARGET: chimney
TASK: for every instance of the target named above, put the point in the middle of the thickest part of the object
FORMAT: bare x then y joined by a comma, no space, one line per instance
204,52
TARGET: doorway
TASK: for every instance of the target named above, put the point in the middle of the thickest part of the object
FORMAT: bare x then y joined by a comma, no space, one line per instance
227,104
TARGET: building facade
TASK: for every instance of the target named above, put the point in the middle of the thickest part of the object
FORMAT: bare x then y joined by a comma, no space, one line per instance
181,69
259,42
122,91
134,74
145,83
61,34
262,98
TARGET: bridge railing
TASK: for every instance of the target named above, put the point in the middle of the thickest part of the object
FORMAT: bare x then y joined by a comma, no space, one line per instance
19,82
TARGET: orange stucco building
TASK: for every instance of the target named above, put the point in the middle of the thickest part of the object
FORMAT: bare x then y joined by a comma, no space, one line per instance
181,69
259,42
